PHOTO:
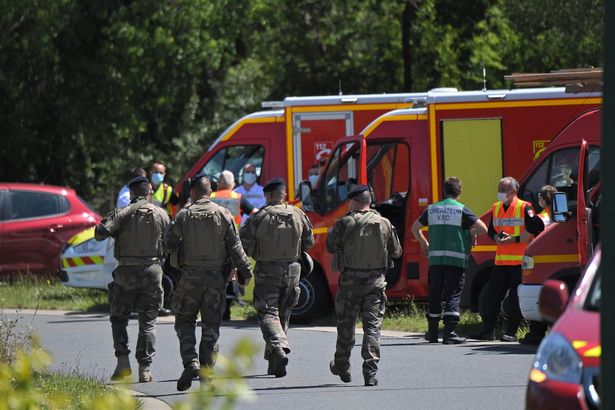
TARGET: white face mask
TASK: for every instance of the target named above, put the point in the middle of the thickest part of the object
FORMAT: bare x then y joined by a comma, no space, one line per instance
502,196
313,179
249,178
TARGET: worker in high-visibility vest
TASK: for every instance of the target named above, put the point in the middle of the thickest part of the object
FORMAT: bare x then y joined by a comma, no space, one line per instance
162,192
237,205
513,225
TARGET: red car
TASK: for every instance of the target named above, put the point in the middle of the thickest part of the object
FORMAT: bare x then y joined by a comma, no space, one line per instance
36,221
565,374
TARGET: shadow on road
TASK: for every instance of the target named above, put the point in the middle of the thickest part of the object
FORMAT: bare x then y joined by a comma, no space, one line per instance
503,349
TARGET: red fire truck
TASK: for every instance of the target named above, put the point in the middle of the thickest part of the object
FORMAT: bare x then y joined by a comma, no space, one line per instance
562,250
404,155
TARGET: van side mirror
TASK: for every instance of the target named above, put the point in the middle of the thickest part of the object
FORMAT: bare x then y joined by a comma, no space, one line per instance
559,208
553,299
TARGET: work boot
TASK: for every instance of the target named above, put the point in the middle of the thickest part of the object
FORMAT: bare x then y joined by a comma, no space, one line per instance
432,330
486,333
344,375
122,370
450,337
508,338
145,374
278,362
190,373
206,374
370,380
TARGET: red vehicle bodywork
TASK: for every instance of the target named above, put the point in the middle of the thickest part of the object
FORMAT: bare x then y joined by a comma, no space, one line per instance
581,329
31,240
525,123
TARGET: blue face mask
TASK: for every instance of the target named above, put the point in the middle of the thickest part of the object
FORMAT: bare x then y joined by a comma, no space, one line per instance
313,179
249,178
157,178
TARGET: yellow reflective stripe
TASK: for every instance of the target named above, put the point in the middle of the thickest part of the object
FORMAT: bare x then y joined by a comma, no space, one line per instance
98,260
577,344
572,258
593,352
518,216
484,248
318,231
81,237
508,257
526,103
65,263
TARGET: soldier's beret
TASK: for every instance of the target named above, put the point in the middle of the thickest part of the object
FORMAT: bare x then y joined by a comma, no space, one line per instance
356,191
196,179
137,180
274,185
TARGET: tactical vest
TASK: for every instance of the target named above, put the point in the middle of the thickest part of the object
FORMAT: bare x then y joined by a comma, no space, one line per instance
278,234
203,237
449,244
511,221
230,200
364,246
141,233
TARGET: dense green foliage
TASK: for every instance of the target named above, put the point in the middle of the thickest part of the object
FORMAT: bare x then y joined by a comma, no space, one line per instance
91,88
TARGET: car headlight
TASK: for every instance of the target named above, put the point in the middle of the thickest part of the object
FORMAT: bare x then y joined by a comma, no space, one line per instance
90,246
527,263
556,359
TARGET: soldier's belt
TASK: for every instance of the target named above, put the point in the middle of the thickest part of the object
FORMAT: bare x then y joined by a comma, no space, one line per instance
139,262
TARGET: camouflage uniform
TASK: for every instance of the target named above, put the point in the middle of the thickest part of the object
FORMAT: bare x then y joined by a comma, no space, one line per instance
136,285
362,255
207,236
274,237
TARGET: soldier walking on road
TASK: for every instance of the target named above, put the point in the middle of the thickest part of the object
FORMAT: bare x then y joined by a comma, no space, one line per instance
275,237
136,286
452,228
208,238
363,243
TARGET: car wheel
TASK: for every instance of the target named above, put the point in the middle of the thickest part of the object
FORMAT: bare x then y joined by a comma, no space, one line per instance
314,299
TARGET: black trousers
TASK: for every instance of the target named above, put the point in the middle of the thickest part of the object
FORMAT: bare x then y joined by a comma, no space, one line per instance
502,296
445,281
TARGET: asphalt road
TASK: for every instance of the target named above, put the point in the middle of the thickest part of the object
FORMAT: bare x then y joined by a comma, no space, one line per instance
413,373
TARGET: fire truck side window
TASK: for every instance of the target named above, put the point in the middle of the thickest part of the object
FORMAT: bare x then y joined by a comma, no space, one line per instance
560,169
234,158
339,177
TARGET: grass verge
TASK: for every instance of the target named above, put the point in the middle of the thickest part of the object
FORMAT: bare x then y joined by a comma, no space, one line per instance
33,293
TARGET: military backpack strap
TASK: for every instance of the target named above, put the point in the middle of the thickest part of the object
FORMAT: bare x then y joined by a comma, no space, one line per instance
134,208
357,226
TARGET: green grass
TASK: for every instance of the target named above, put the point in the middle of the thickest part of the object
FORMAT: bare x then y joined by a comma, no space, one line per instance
72,390
30,293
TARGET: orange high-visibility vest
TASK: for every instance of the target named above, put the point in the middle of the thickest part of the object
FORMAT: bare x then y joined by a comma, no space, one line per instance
511,221
230,200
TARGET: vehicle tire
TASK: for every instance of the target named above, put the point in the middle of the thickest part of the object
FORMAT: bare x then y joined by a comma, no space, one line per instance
314,299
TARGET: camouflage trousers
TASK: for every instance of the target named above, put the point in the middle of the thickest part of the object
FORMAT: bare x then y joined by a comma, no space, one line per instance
360,292
276,292
135,288
204,291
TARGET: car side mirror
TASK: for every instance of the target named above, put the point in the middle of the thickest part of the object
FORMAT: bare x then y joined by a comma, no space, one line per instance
553,299
559,208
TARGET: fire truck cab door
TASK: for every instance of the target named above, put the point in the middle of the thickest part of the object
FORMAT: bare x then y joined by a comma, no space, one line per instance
314,135
583,212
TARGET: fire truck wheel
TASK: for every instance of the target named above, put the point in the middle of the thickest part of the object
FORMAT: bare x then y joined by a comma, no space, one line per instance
314,300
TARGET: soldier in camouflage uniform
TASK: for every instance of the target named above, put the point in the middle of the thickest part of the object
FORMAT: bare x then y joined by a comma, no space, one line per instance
207,236
363,243
275,237
136,285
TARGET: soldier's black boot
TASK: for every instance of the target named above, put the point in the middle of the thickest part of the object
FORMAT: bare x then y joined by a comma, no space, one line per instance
370,380
190,373
344,375
122,370
486,333
278,362
450,337
432,330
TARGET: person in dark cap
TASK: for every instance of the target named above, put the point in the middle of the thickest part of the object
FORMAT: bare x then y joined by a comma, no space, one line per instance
136,285
363,244
208,237
275,237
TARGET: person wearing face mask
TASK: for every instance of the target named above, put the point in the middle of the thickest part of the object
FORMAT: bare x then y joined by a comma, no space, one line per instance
513,225
250,190
364,244
162,192
313,174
